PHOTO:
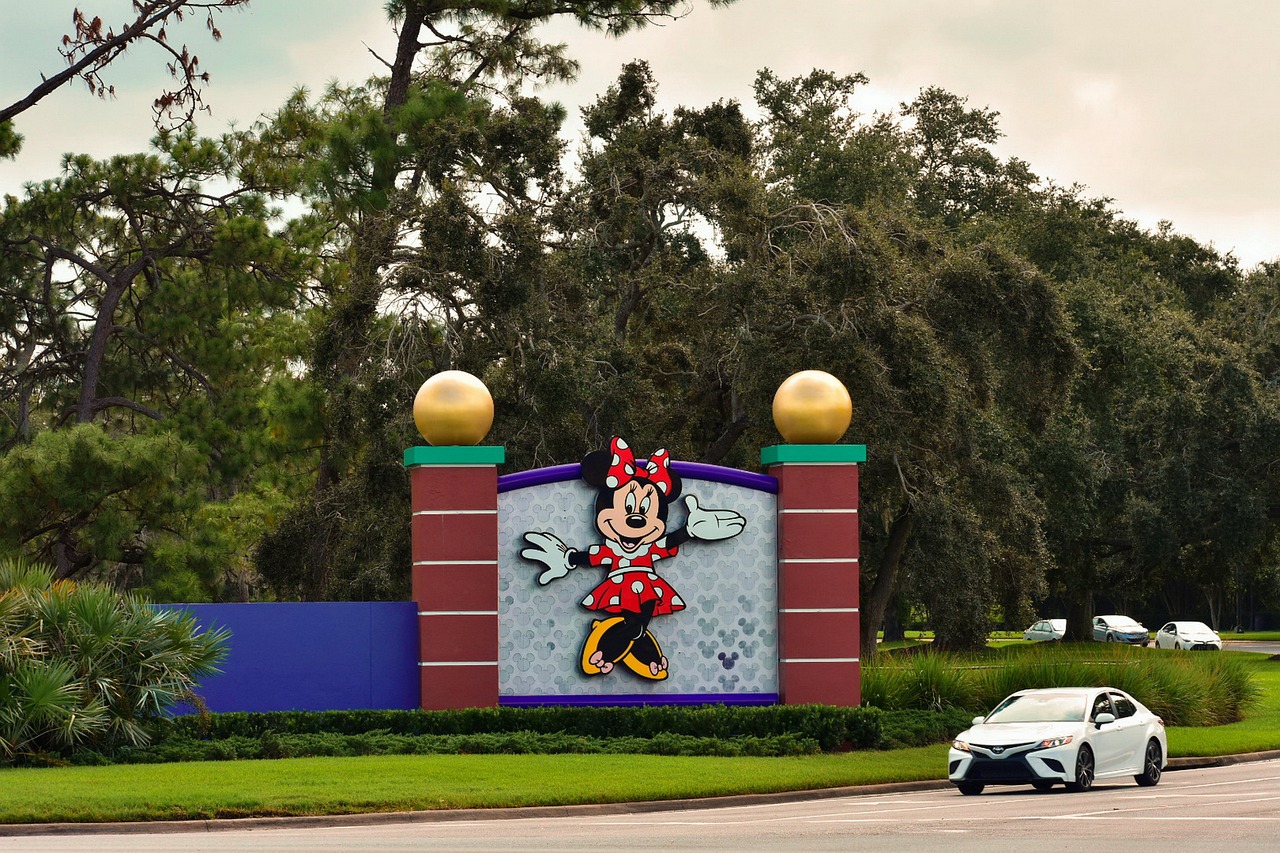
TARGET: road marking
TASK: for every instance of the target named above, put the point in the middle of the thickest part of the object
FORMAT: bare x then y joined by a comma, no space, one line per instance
1234,782
832,817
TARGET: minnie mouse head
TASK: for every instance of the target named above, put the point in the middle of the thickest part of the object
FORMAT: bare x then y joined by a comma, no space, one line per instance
631,499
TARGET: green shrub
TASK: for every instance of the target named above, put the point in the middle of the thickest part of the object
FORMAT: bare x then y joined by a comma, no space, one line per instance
272,745
831,728
1185,689
903,729
924,681
85,670
710,730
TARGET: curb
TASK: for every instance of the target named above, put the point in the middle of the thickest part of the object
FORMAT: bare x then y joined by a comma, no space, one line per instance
1197,762
530,812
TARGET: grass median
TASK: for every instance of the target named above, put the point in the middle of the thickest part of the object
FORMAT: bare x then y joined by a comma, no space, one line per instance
318,786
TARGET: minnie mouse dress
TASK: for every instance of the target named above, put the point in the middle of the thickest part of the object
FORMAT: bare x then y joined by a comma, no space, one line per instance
632,581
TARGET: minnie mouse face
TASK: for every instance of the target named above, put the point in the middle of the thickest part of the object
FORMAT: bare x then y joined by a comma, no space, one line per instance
632,501
636,515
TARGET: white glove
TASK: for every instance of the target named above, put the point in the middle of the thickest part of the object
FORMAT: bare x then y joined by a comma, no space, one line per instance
712,524
551,552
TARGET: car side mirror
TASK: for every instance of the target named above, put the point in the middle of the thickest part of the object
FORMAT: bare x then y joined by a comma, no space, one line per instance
1104,718
977,721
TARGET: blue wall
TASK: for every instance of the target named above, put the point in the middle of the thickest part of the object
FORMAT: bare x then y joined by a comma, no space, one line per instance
313,656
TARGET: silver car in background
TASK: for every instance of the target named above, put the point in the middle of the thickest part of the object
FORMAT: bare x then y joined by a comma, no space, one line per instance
1120,629
1046,629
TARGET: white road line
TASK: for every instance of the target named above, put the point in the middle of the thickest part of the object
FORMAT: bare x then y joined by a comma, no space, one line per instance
1234,782
1169,818
808,818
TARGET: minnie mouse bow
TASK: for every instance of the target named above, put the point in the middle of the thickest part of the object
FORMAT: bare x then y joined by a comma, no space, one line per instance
622,467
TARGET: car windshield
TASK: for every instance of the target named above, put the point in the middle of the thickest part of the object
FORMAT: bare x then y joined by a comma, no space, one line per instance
1122,623
1193,628
1039,708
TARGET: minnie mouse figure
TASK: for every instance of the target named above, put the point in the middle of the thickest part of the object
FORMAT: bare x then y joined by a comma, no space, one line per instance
631,514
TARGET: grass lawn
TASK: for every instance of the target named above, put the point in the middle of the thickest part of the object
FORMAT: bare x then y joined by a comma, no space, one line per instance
313,786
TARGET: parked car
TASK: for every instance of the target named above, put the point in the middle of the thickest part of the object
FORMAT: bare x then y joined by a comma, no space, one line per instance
1046,629
1188,635
1059,735
1120,629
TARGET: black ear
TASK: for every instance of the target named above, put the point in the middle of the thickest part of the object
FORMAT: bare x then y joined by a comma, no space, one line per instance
675,485
595,467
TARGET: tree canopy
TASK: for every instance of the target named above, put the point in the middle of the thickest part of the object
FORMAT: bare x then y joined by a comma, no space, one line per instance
205,397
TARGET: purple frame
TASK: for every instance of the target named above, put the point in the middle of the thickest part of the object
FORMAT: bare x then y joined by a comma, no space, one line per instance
639,699
689,470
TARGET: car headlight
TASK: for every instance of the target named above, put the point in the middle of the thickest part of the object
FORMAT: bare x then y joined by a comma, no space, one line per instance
960,745
1051,742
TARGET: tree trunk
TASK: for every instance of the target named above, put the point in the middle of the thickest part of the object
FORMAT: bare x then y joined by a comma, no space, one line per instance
1079,617
893,630
1215,607
97,352
876,602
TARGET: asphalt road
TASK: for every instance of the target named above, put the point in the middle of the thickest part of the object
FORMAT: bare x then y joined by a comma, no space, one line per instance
1271,648
1235,808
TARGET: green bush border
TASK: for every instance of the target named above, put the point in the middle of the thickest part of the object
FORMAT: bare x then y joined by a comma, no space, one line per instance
767,731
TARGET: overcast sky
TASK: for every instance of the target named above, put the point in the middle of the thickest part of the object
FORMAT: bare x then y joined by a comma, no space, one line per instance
1168,107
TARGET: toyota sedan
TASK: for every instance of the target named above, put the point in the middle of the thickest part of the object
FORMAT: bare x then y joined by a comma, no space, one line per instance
1066,736
1196,636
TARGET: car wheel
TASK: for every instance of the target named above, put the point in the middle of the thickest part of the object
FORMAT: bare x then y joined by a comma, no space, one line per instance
1111,638
1177,647
1042,785
1150,774
970,789
1084,770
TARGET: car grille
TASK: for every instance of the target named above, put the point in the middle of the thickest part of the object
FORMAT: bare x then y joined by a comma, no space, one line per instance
983,769
1005,748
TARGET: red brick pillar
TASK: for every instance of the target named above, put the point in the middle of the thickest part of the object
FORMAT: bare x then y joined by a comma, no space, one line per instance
455,573
818,619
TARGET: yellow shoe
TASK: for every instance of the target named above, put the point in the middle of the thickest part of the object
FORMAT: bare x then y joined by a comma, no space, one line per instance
644,670
592,646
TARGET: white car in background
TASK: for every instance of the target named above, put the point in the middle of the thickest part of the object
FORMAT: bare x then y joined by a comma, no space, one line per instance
1188,635
1046,629
1059,736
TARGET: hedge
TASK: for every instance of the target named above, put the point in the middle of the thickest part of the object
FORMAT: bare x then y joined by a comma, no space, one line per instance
831,728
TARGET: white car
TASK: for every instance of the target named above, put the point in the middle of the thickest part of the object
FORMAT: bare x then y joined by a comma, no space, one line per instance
1060,735
1120,629
1046,629
1188,635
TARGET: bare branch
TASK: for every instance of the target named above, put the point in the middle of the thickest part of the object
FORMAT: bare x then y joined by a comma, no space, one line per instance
94,46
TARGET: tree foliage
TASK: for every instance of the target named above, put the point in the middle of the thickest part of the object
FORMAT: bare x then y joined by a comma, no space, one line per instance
163,314
1061,406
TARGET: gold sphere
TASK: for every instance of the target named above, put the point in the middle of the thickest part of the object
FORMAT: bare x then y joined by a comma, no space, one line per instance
812,407
453,408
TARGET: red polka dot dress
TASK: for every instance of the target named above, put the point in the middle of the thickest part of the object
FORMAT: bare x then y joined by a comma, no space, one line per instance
632,580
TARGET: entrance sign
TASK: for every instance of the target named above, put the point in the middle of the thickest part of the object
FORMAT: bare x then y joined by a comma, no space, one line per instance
631,580
711,603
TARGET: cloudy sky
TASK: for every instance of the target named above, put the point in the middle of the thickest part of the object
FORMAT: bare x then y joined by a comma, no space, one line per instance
1168,107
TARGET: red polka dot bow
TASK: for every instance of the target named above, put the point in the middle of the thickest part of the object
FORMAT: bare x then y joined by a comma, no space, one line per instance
622,467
